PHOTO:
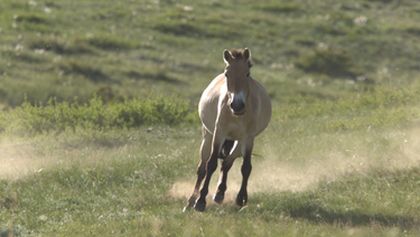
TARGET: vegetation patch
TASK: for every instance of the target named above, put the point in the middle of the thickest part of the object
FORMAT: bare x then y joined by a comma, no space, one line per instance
54,116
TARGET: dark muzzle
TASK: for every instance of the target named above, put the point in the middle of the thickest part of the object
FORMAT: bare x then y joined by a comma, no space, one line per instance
237,106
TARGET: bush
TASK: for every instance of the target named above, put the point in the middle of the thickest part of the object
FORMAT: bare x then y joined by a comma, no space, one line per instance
31,119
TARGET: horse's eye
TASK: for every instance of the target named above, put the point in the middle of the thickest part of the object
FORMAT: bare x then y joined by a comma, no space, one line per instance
248,74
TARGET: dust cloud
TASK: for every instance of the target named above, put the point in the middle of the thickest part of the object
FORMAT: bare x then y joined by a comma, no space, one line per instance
270,175
19,159
16,161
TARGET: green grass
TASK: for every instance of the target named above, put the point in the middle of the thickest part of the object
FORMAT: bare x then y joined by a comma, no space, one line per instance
118,183
99,134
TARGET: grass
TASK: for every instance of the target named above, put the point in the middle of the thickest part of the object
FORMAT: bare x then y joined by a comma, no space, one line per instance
109,185
99,134
332,62
145,37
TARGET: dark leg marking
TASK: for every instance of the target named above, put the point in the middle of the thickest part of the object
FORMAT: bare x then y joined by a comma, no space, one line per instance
246,168
200,205
201,172
201,169
221,189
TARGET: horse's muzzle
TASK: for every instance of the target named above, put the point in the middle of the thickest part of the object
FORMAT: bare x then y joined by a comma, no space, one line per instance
237,107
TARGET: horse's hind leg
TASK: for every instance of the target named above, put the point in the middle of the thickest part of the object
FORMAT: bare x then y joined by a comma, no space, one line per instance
201,169
246,168
226,165
226,148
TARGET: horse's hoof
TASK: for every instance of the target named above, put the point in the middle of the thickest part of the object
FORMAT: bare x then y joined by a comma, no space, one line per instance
200,206
218,198
241,200
186,208
191,202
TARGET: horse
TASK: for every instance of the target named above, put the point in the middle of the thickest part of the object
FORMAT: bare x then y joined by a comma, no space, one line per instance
233,109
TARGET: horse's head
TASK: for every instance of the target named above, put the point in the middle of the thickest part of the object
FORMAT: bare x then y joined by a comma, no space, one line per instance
237,74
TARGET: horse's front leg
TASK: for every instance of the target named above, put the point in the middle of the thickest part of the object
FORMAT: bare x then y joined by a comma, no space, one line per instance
246,168
211,166
205,150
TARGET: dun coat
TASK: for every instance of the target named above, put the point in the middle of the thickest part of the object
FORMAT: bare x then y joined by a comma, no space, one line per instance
234,109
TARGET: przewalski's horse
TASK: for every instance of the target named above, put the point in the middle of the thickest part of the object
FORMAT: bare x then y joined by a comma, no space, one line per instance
233,109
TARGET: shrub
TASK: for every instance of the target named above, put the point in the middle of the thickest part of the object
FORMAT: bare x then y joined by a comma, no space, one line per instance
57,117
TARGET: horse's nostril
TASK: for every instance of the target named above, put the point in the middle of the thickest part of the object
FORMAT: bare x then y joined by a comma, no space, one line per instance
237,106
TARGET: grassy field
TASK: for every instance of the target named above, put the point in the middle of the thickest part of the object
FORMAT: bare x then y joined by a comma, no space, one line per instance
99,134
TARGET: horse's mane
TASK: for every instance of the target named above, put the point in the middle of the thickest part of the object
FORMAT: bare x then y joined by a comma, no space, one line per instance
239,54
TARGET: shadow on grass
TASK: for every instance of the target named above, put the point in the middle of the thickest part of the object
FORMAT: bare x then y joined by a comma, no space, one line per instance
26,57
317,214
160,76
90,72
59,46
193,30
109,43
333,62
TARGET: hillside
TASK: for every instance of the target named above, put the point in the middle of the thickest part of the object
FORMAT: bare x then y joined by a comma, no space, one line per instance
75,49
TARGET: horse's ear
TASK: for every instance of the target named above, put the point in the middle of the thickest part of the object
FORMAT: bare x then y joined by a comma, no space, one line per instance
247,54
227,57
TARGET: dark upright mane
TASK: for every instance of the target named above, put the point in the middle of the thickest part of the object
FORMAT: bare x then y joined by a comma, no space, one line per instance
239,54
